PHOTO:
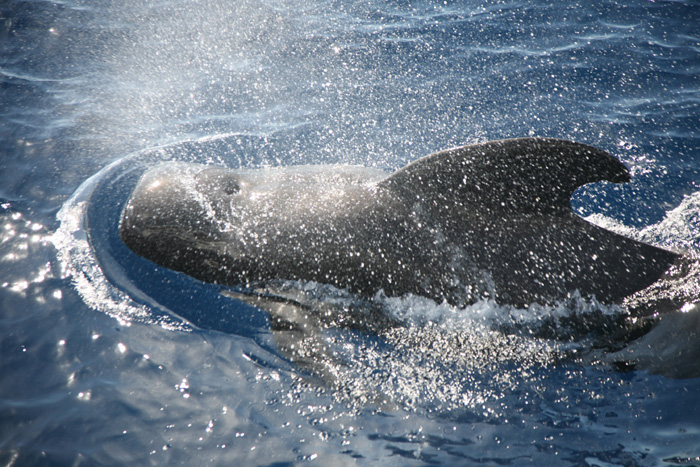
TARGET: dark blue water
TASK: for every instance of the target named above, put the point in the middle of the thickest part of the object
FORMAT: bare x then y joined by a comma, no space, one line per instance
107,359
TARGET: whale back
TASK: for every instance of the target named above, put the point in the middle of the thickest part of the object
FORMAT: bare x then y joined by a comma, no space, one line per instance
509,201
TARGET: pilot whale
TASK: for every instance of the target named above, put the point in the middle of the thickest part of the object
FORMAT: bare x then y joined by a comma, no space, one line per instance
490,220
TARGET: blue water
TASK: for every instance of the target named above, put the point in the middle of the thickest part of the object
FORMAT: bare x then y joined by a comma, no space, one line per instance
107,360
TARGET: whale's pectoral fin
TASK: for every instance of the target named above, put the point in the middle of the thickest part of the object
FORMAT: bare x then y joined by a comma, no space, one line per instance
524,175
295,310
302,324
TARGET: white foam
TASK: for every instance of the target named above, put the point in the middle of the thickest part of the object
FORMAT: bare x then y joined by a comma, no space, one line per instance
79,262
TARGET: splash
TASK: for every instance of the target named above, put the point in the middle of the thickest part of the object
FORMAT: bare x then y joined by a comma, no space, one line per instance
414,354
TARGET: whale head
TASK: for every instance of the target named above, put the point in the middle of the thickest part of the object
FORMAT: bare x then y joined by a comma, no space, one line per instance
175,216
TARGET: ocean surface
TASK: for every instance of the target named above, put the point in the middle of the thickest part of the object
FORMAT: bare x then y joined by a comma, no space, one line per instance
107,359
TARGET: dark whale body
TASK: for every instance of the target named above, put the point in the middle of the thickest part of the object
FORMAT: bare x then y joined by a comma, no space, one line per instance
486,220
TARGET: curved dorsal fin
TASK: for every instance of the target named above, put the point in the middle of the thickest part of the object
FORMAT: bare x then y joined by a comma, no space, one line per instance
526,175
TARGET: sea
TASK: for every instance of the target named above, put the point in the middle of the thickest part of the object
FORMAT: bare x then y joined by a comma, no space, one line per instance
108,359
